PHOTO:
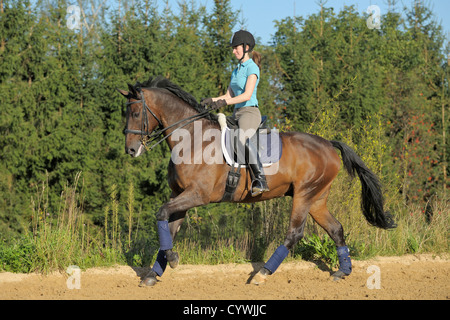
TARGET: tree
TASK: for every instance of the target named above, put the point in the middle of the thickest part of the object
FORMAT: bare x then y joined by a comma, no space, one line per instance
218,29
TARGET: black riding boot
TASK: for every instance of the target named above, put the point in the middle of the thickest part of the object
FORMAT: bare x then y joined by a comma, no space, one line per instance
259,183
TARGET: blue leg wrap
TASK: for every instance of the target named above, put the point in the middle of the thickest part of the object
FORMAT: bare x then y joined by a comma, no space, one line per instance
277,258
165,239
160,264
345,263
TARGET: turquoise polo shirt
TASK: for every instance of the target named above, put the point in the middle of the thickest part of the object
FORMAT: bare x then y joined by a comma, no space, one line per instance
239,80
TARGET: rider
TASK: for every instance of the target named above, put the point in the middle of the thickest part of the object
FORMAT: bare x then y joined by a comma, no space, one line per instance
242,93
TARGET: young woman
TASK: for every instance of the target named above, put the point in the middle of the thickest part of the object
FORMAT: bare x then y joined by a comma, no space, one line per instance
242,93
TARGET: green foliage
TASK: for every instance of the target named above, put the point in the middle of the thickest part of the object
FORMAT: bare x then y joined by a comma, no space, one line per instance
314,248
57,240
17,257
218,253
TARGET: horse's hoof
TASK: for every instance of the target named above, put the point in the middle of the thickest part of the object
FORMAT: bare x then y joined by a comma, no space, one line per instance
173,259
148,282
338,275
259,279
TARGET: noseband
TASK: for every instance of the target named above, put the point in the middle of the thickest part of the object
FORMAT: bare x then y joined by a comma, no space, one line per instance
151,136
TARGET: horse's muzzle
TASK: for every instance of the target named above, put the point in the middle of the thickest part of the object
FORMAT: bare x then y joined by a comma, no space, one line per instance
135,152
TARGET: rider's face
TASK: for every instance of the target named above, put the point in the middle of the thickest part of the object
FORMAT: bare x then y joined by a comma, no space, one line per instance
238,51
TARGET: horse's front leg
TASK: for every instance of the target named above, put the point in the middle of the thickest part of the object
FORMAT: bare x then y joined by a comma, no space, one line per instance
175,222
170,212
159,266
167,255
169,219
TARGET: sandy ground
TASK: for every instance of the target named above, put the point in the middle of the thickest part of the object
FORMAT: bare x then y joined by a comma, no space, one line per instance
407,277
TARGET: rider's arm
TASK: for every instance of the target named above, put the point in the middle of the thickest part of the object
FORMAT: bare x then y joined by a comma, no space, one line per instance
228,95
245,96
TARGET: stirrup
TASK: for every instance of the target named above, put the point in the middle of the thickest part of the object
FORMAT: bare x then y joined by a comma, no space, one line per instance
256,191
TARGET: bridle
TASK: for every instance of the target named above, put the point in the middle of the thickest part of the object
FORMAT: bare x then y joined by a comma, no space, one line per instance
147,136
144,123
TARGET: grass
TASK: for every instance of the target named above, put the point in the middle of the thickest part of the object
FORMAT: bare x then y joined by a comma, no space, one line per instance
223,251
55,242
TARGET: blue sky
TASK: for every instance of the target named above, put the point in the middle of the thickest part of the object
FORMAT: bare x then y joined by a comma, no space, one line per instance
259,15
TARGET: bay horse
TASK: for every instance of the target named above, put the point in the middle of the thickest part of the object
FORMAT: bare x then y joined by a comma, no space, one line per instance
306,170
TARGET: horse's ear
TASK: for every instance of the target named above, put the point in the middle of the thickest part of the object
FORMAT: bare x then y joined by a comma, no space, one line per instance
123,92
132,90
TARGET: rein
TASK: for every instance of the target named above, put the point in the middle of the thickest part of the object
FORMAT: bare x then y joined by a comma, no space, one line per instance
147,136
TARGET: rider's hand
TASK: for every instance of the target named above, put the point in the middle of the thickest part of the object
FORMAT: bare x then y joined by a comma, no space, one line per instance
218,104
206,102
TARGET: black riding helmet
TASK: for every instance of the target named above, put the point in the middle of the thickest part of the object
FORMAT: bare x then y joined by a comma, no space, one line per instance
245,38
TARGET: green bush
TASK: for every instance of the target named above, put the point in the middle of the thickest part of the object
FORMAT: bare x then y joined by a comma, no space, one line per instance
18,257
313,247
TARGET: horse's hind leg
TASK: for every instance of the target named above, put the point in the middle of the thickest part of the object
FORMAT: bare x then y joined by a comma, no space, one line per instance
323,217
300,208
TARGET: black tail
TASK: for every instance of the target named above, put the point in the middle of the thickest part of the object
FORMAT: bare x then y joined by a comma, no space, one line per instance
371,196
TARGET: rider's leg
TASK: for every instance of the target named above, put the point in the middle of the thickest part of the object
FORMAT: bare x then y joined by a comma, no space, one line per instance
249,119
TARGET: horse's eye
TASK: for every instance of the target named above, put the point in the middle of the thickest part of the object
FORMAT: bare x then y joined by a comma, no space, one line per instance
135,114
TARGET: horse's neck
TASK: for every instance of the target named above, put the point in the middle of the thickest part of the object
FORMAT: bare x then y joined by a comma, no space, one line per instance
171,108
172,111
174,115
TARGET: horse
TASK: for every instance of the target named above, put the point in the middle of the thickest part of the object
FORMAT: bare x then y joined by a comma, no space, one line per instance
306,170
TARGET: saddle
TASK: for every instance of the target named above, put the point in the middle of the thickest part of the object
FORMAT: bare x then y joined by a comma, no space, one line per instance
267,141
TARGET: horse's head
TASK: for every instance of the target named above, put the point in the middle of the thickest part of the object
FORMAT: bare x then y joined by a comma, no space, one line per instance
141,120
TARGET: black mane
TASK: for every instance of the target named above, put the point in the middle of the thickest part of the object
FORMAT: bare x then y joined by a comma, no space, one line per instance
164,83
